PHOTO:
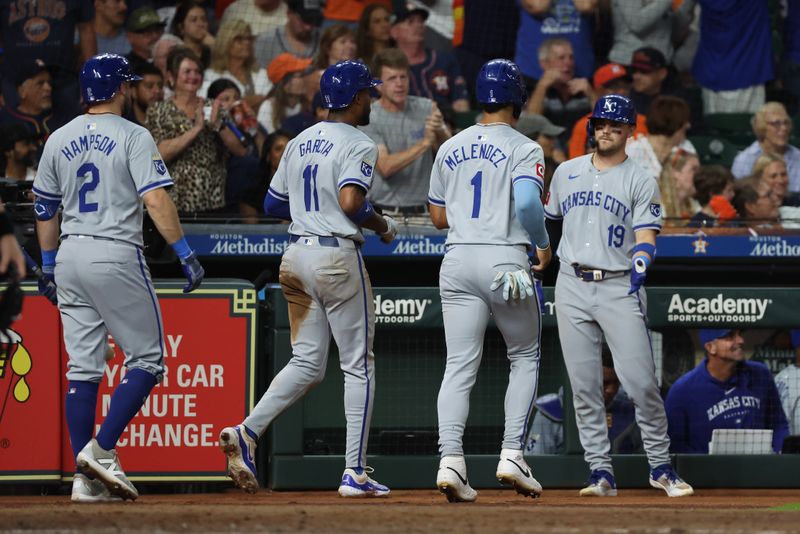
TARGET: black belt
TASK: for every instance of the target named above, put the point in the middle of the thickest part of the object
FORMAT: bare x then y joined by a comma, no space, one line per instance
403,209
323,240
595,275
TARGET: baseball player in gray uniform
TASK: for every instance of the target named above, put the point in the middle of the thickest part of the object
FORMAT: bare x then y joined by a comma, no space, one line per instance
100,167
321,186
485,187
611,212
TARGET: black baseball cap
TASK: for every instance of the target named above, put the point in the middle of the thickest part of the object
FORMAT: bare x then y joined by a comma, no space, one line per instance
648,59
31,68
404,11
309,10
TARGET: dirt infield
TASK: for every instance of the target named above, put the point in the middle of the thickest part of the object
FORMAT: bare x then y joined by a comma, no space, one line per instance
499,511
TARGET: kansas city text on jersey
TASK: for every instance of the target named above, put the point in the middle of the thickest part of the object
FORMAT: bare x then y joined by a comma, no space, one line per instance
595,198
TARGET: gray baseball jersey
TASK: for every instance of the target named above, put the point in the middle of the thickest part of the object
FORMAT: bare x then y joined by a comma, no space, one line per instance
399,131
472,179
315,166
601,211
98,166
475,172
324,279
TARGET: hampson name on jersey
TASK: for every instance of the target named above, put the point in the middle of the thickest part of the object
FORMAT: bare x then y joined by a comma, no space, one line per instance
717,309
84,143
595,198
268,246
488,152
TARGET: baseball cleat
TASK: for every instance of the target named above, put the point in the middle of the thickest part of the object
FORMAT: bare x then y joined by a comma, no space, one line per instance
451,479
104,466
514,471
86,490
664,477
355,485
601,484
240,447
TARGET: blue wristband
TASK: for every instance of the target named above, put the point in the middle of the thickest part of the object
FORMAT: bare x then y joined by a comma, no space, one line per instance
647,248
181,248
49,257
362,214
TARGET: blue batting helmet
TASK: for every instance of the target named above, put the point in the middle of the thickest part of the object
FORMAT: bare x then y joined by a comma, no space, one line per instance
102,75
615,108
341,82
500,82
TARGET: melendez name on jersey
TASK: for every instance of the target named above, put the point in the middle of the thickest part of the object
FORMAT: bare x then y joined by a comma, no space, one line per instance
602,208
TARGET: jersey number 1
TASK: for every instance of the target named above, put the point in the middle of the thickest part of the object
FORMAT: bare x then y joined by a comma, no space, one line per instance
310,187
88,187
476,182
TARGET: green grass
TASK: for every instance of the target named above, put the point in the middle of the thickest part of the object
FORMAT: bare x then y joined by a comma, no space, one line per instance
788,507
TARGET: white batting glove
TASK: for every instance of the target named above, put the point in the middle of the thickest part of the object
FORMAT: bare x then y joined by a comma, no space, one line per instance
517,285
391,230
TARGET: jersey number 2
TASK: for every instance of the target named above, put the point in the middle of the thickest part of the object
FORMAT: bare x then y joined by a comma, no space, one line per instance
476,182
88,187
310,187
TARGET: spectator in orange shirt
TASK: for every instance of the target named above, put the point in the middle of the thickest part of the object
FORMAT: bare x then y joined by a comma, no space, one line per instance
611,78
348,12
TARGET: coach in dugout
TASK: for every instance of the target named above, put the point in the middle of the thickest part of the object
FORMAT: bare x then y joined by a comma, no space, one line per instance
723,391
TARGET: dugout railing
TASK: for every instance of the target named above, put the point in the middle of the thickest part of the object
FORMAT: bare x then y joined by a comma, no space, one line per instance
306,443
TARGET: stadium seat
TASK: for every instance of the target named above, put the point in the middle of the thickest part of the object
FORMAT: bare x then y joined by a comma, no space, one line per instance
734,127
715,150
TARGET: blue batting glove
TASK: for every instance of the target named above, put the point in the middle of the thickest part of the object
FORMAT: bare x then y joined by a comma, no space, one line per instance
638,273
47,284
193,272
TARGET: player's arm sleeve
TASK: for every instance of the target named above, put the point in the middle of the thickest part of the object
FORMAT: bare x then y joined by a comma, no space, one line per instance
783,392
528,182
436,185
677,421
145,164
276,201
646,206
359,165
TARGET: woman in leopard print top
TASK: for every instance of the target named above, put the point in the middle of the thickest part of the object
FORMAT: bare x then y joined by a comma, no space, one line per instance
193,147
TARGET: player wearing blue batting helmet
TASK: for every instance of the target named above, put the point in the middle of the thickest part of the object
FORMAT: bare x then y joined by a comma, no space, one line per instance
102,75
615,108
341,82
500,82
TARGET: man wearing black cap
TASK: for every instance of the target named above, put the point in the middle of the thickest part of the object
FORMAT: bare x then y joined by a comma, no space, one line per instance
299,36
46,30
35,110
725,390
144,27
434,74
17,152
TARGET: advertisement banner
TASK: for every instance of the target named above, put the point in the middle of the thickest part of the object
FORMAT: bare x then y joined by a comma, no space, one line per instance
421,241
209,341
30,393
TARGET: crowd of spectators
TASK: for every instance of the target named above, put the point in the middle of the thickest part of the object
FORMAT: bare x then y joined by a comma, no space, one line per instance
682,62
